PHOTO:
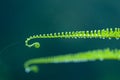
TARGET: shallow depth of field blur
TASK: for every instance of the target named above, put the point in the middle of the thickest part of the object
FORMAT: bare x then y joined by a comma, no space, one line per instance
20,19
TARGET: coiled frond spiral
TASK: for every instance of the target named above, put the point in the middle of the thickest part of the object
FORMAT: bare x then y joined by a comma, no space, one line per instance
104,33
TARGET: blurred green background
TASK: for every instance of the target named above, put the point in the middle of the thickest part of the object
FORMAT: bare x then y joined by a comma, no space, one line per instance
21,18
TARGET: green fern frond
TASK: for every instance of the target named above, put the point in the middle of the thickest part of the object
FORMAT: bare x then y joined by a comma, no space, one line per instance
106,54
102,34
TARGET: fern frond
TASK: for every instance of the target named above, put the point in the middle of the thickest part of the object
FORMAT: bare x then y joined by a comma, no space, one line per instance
106,54
102,34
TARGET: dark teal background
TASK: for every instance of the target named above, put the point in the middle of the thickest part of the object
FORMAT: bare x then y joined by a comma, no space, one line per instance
21,18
